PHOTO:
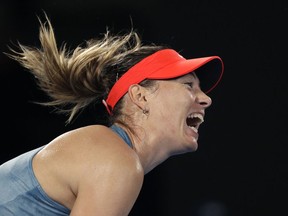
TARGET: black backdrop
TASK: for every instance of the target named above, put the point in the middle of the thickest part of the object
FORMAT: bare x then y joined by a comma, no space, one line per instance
240,168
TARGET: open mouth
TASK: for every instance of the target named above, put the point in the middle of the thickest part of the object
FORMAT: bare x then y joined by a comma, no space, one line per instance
194,120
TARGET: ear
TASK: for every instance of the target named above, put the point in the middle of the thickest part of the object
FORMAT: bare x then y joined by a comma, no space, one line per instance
137,95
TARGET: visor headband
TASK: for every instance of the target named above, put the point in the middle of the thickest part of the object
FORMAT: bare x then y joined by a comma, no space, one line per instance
151,67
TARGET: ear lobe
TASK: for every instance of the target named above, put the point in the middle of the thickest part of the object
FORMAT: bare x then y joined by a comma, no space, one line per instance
137,95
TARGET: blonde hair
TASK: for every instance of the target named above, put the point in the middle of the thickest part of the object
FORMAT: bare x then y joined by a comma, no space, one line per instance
74,79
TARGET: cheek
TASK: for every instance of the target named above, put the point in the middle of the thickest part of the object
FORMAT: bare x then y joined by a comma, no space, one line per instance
170,105
170,101
178,99
167,101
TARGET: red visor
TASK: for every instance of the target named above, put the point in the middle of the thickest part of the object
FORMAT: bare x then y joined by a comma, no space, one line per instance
163,64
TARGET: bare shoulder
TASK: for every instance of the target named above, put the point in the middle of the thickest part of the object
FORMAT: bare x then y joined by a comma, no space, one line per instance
101,144
85,160
112,176
92,146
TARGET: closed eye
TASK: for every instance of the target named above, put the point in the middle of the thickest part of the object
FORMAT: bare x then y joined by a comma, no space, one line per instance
189,84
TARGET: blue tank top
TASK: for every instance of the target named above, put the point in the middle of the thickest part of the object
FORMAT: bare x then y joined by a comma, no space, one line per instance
122,134
21,193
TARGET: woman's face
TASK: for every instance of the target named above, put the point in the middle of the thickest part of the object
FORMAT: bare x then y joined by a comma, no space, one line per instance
177,108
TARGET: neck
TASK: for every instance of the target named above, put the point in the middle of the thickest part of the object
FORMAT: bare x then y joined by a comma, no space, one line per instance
149,149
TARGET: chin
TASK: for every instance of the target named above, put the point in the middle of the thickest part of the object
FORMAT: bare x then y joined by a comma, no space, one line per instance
189,148
192,145
193,148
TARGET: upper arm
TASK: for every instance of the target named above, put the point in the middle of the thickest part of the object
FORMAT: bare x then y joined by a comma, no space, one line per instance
110,185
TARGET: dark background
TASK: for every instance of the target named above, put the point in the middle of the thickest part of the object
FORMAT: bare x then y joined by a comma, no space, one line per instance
240,168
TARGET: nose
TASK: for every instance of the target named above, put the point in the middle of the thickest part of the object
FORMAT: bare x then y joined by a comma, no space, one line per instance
203,99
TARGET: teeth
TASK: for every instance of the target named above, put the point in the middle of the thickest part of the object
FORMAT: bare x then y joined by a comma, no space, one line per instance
196,115
194,129
198,119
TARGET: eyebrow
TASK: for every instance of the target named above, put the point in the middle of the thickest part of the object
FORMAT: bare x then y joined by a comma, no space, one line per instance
193,74
196,78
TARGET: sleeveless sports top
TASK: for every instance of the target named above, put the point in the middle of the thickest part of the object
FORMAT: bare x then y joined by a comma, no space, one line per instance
21,193
122,134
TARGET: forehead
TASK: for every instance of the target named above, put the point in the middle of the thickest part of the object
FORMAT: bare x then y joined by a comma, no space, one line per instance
190,76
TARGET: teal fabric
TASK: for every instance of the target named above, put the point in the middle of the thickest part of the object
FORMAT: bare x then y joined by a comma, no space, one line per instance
122,134
20,192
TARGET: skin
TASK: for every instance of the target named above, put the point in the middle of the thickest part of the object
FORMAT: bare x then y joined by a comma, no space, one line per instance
92,171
